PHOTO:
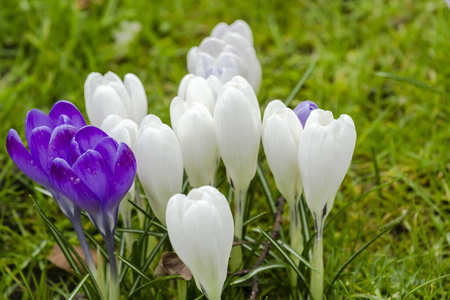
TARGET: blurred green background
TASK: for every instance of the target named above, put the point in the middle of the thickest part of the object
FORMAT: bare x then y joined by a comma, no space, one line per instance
385,63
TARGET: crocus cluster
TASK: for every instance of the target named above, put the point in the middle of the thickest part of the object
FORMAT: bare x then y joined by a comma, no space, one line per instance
215,116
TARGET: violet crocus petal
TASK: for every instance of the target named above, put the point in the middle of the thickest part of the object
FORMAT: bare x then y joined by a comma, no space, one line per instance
124,174
91,169
36,118
60,142
69,183
107,148
64,112
23,159
304,109
39,139
88,137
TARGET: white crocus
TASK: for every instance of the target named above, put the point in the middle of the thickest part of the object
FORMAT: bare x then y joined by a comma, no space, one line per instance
227,52
159,163
281,133
194,88
108,95
194,127
238,130
325,152
200,227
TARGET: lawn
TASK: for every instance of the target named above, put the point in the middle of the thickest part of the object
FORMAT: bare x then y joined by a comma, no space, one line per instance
384,63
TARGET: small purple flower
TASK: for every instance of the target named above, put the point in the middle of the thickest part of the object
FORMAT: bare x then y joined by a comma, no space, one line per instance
48,137
95,172
40,130
304,109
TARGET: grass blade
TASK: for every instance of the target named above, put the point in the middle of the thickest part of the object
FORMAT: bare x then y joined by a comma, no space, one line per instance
25,282
424,284
286,256
129,264
360,250
300,83
152,282
266,188
78,287
410,81
256,271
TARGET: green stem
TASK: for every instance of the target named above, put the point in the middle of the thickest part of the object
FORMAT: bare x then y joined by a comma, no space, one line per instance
114,289
236,252
296,235
317,263
181,289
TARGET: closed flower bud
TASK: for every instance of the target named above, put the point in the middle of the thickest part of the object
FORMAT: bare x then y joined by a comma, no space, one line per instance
325,152
238,128
160,163
108,95
281,132
303,110
194,127
200,227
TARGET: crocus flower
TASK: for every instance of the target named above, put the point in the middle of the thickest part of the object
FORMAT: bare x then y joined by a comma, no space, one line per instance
194,127
226,53
200,227
108,95
95,173
160,164
281,132
238,130
303,110
198,89
42,132
325,151
122,130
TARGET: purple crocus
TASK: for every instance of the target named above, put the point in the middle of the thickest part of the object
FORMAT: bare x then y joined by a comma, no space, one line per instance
95,172
304,109
41,131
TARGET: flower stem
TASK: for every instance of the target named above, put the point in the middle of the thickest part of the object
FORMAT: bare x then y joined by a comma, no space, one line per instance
114,289
78,227
296,235
236,252
317,263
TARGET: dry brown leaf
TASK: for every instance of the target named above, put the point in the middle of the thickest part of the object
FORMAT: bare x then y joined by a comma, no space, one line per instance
171,264
57,257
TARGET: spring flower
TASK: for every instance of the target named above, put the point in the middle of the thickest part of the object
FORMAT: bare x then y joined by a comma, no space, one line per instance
303,110
226,53
108,95
122,130
194,127
200,227
95,173
238,130
42,133
281,132
160,164
325,152
198,89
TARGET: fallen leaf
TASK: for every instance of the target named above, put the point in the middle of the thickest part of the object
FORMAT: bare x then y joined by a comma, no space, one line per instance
57,257
171,264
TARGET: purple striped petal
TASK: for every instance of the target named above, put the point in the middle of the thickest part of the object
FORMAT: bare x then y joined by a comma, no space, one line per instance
303,110
69,183
88,137
23,159
108,149
124,174
36,118
59,145
90,168
64,112
39,139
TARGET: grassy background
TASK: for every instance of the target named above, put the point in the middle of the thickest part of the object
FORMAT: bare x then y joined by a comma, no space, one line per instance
48,48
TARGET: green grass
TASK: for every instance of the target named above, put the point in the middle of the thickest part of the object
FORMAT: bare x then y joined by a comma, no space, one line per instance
385,63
